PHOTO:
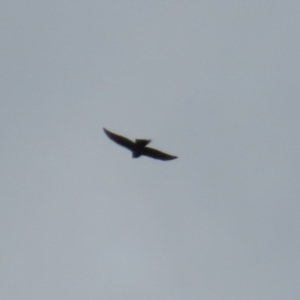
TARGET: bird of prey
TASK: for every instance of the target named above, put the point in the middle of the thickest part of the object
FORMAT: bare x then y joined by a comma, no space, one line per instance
138,147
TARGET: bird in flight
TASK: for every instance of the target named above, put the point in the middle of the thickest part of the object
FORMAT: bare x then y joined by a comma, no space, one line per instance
138,147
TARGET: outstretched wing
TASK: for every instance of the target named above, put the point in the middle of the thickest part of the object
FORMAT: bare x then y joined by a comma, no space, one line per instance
157,154
121,140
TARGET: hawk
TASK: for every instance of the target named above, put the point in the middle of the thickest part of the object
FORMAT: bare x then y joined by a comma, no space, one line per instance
138,147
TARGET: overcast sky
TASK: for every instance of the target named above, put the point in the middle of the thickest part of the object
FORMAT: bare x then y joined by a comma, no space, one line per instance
213,82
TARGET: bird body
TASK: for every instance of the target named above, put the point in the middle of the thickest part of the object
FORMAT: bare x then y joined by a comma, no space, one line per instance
138,148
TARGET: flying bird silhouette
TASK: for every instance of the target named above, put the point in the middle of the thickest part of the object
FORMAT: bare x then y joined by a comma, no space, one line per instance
138,147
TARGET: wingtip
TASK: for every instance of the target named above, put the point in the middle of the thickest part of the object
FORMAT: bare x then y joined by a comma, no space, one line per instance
106,131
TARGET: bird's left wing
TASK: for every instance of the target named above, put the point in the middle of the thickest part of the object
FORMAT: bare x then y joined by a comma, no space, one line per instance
121,140
157,154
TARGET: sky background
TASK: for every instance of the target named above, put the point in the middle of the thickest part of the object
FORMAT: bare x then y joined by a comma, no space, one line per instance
213,82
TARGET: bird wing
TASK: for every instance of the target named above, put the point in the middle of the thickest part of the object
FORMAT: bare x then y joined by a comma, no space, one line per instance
121,140
157,154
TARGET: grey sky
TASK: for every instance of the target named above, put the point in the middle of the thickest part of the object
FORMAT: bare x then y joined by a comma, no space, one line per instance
214,82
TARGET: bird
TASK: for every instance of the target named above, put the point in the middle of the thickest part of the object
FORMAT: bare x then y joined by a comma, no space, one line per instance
138,147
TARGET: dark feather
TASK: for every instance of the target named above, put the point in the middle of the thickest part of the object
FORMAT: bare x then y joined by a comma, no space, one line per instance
121,140
157,154
138,147
141,142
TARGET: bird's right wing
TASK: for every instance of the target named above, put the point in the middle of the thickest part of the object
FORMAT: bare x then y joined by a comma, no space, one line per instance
121,140
147,151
